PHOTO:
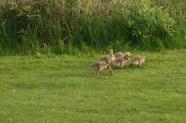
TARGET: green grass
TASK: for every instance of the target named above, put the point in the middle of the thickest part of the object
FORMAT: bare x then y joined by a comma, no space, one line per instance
64,89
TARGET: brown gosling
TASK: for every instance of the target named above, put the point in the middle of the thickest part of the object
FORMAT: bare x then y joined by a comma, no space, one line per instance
108,58
121,61
99,66
121,54
138,60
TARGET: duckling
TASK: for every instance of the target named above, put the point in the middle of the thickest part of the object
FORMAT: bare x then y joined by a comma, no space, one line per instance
108,58
120,62
121,54
101,65
138,60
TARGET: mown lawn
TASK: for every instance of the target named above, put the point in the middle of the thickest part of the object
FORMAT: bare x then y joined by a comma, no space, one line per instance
51,89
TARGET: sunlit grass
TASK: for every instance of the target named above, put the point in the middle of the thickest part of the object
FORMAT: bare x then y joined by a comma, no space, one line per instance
64,89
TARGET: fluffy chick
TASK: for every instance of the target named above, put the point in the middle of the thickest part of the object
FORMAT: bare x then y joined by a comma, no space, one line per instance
138,60
100,66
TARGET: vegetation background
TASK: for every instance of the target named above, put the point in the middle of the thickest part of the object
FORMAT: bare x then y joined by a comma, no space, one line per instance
72,26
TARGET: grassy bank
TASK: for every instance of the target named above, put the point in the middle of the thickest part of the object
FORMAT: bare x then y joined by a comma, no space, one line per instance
64,89
73,26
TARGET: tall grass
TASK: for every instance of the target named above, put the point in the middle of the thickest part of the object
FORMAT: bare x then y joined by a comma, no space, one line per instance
81,25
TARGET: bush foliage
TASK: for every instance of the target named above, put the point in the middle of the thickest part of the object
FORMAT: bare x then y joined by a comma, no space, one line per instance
68,26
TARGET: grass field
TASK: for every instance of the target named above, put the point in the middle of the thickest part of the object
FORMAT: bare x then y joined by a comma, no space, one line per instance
51,89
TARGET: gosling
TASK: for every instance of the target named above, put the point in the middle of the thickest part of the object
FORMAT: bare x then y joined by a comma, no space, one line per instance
120,62
121,54
108,58
138,60
100,66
